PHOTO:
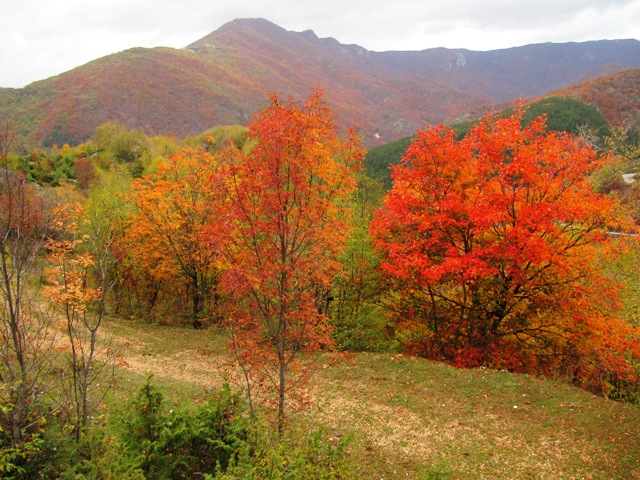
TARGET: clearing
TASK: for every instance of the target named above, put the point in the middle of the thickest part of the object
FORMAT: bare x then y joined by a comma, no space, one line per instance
412,418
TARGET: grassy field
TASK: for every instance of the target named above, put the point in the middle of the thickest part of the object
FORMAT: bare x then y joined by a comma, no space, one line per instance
411,418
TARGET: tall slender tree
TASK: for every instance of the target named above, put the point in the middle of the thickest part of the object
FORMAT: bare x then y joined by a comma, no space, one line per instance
281,224
78,283
26,341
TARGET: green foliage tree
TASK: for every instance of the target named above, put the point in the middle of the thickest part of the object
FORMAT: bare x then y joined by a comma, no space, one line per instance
115,143
357,290
106,214
51,168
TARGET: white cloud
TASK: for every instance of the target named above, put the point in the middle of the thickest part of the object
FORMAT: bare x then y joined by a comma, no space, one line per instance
41,38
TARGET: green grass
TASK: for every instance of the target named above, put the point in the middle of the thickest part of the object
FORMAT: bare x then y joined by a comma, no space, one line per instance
417,419
176,356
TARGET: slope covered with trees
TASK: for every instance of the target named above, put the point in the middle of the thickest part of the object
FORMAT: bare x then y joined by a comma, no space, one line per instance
224,78
562,114
616,96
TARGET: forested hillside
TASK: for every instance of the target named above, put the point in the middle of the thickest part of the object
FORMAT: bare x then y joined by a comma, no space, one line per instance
224,78
616,96
562,114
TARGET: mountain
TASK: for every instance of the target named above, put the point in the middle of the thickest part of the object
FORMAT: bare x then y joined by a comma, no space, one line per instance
616,96
226,77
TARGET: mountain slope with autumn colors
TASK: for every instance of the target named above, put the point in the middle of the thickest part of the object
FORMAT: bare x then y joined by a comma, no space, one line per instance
616,96
225,78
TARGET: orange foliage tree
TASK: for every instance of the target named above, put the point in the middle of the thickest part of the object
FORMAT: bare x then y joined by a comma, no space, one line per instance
163,239
78,284
281,224
494,241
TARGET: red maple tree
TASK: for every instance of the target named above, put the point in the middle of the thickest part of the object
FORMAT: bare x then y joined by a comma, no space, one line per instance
495,242
281,224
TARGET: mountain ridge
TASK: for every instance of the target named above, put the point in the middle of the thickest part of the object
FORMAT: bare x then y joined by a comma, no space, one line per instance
226,76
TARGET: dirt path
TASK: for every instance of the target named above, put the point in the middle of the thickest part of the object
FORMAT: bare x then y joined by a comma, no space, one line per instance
195,364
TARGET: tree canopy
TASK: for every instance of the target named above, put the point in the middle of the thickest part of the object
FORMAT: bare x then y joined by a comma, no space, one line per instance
281,223
494,242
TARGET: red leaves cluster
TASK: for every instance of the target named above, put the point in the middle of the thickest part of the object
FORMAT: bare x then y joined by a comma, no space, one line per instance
20,205
494,241
280,224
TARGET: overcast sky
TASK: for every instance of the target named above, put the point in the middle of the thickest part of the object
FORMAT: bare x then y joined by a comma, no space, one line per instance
42,38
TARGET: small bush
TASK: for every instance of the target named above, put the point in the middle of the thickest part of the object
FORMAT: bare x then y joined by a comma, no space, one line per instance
218,440
185,443
316,456
99,455
146,441
14,459
142,425
19,458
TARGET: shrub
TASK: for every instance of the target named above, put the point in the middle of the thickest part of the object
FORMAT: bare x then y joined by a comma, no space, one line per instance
314,456
19,459
187,442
